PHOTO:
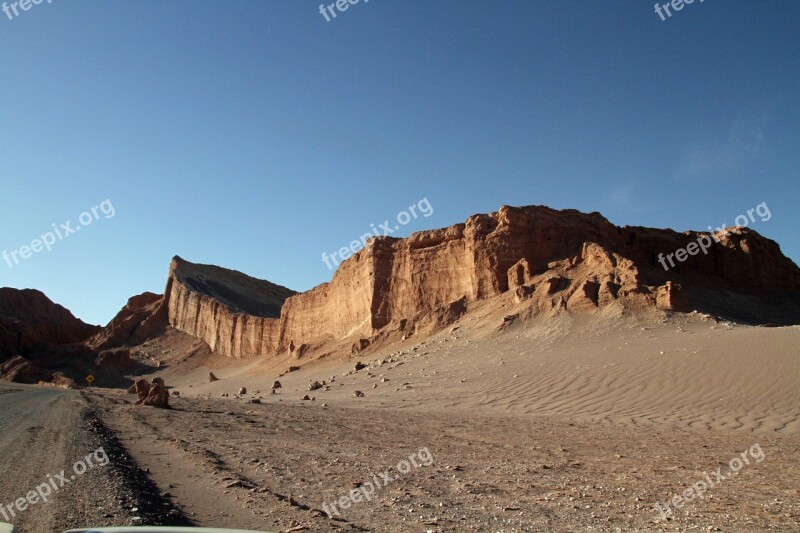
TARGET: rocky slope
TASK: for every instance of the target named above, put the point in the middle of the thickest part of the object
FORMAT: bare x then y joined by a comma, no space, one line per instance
142,318
41,341
551,261
538,260
28,319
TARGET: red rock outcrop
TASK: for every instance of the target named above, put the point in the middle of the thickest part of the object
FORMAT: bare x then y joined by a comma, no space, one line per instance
29,319
19,370
552,260
235,314
142,318
41,341
543,261
153,394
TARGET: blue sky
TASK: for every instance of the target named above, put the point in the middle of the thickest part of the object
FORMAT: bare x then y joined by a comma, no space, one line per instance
256,136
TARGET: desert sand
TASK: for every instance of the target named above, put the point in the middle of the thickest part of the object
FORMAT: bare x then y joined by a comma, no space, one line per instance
572,423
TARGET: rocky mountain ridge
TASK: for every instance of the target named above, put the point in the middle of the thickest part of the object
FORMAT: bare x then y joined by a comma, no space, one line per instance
553,260
540,260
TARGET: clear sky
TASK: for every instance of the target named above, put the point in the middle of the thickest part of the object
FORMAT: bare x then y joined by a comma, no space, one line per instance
256,135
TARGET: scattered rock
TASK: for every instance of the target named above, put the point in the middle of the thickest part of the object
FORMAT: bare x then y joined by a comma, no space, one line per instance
153,394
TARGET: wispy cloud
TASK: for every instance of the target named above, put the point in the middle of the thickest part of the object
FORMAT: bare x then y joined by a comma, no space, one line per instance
733,151
624,196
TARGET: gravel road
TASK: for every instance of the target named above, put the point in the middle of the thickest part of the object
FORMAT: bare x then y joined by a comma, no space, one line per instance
44,433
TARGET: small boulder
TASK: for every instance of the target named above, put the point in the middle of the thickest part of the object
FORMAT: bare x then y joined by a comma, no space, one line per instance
212,378
142,389
242,391
153,394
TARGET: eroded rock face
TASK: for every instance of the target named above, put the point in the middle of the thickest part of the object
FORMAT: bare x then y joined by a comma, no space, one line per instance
541,260
235,314
142,318
551,261
28,319
19,370
39,339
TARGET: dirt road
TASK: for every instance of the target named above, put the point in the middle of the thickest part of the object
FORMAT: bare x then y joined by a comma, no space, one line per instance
37,439
44,434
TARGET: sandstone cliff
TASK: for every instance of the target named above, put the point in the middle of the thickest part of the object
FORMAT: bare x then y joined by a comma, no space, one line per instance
540,260
235,314
552,260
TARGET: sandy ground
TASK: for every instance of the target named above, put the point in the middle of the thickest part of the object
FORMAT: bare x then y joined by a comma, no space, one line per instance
551,425
274,467
689,372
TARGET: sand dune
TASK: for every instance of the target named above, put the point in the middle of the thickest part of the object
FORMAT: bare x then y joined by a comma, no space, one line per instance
688,371
566,423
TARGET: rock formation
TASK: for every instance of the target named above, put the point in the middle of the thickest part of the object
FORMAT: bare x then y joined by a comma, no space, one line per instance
29,319
235,314
153,394
19,370
553,260
142,318
41,341
538,260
